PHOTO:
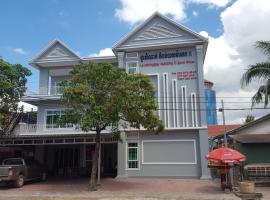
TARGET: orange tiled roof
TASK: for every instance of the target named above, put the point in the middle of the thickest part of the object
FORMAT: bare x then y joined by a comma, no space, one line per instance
215,130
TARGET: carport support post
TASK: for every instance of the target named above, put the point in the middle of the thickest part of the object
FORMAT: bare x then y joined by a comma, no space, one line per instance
99,162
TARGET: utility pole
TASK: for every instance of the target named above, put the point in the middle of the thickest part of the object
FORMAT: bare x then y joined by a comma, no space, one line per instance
224,125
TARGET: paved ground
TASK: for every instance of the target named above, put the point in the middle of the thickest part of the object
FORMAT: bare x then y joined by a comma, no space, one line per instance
123,189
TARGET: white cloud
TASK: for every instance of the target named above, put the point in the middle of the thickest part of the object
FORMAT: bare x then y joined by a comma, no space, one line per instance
136,11
217,3
229,55
132,11
195,13
103,52
20,51
204,34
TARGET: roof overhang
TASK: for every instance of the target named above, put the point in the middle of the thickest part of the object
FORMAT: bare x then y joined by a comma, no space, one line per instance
157,46
54,63
38,99
110,59
252,138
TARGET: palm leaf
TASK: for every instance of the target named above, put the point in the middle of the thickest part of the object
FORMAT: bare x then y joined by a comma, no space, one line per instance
258,96
267,93
264,46
263,93
259,71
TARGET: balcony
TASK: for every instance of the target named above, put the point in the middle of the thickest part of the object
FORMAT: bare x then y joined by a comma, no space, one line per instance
29,129
45,94
43,129
46,91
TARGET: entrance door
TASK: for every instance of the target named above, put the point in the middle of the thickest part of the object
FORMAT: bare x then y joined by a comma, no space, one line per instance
109,160
67,161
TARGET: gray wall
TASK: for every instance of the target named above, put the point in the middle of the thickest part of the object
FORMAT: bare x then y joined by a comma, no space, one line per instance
180,169
174,72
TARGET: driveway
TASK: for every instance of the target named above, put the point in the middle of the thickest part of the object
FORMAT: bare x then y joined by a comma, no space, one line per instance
67,189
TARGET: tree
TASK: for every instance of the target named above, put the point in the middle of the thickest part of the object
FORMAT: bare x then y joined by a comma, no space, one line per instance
12,86
249,118
101,96
260,72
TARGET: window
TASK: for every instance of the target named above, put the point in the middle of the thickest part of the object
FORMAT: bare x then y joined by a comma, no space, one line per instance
132,67
58,88
132,156
53,119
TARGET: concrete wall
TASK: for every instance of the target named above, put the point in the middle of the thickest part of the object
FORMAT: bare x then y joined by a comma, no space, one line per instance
256,153
170,154
185,71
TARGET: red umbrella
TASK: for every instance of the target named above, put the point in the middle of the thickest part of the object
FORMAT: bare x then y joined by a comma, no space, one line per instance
225,155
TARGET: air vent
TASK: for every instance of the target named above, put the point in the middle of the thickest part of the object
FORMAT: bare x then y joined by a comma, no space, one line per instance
132,55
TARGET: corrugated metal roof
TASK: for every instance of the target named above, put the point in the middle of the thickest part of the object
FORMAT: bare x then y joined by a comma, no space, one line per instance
216,130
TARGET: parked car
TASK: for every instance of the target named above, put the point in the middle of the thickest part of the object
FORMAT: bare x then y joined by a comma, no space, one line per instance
19,170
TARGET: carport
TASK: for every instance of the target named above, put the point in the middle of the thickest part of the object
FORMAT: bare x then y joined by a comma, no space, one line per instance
65,155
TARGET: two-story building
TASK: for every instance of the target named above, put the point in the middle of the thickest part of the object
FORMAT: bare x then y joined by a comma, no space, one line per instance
172,56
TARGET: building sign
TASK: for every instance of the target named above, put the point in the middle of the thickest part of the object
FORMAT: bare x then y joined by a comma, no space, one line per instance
163,55
169,63
186,75
166,58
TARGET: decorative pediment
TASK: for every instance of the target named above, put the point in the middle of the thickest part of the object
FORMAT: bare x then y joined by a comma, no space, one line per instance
157,30
56,51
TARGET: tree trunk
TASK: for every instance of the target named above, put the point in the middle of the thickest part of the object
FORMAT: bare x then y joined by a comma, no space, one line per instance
94,163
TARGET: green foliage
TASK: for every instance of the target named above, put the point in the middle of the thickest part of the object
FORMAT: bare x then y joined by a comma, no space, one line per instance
259,72
100,95
249,118
12,87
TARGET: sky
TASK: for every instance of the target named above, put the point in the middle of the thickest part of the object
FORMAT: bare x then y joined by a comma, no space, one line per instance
91,27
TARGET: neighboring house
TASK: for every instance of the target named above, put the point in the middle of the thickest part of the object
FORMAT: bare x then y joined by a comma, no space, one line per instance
172,56
210,103
216,134
218,130
253,140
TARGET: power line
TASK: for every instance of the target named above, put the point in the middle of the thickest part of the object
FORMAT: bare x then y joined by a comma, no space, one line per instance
229,109
204,102
216,97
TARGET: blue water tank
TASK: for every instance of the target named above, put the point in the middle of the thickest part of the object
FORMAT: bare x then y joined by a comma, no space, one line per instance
210,103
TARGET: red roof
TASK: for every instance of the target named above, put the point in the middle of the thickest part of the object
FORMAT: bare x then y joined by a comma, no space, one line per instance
215,130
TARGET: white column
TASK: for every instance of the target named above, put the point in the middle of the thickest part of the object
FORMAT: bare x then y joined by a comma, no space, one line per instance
43,81
204,149
203,133
200,75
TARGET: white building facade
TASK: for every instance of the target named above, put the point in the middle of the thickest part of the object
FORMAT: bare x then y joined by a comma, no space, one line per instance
172,56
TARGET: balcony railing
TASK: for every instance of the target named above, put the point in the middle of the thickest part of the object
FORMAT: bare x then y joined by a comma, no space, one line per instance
25,129
46,91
